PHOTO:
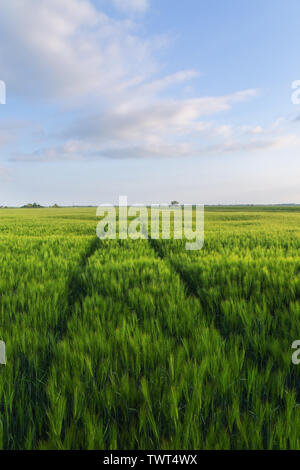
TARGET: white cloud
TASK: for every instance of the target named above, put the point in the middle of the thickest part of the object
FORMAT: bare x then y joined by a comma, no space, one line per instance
59,49
142,137
164,120
132,5
155,147
70,50
165,82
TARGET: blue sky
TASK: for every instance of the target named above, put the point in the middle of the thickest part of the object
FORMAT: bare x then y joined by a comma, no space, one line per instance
156,100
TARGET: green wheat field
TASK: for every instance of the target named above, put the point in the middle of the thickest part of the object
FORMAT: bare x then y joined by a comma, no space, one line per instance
144,345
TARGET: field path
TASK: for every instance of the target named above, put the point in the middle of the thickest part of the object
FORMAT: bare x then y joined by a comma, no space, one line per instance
134,356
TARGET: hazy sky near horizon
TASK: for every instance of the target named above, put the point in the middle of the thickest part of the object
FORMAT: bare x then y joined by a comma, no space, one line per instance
153,99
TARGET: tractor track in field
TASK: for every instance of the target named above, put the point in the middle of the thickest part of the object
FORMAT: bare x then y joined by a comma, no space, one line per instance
75,293
216,316
155,245
190,289
75,287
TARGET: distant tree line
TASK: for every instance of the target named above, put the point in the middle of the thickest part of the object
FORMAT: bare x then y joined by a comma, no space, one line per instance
37,206
32,206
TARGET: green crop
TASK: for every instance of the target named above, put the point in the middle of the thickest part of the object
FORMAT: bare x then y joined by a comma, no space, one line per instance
140,344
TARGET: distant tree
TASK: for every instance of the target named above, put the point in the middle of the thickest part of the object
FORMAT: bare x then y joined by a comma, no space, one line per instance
55,206
174,203
32,206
